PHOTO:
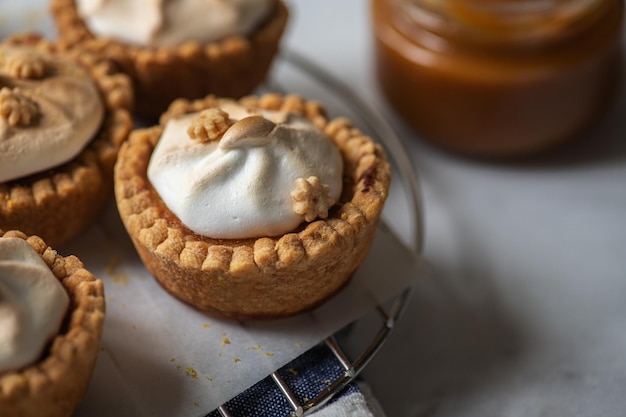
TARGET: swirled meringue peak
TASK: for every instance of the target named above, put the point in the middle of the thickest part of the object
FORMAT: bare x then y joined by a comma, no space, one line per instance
231,173
33,304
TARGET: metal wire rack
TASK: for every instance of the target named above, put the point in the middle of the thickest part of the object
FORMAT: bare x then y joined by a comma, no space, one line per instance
390,313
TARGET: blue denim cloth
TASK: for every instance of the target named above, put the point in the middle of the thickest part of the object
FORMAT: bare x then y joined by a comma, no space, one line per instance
307,376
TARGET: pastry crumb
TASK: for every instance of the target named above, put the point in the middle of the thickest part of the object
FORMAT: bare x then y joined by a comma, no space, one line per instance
121,279
112,265
189,371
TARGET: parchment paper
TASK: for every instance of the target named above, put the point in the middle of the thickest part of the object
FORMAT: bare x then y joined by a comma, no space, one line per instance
161,357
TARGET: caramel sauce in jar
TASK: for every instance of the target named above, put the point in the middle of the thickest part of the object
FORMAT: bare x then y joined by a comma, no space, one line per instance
498,78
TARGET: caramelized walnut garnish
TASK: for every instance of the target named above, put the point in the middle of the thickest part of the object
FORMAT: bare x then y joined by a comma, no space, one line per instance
209,125
311,198
17,108
26,65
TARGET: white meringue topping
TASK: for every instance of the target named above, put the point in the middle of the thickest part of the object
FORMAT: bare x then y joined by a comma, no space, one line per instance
33,304
170,22
240,186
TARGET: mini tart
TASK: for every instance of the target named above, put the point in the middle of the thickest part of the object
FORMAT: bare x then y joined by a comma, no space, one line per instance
55,385
62,202
231,67
262,278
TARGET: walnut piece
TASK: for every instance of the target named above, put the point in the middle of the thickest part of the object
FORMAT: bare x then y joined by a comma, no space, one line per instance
17,108
209,125
26,65
311,198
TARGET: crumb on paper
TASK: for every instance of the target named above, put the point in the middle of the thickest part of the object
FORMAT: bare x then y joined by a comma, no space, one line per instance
172,359
112,265
236,360
111,271
195,403
255,347
189,371
269,353
121,279
298,344
178,367
225,341
206,325
208,378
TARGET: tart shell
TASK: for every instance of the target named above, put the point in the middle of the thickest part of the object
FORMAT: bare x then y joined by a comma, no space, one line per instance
55,385
231,67
262,278
62,202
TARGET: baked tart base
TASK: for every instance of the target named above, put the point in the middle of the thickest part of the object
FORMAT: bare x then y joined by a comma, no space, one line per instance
262,278
231,67
55,385
62,202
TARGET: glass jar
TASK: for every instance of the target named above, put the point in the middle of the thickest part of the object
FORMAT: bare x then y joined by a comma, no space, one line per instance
498,78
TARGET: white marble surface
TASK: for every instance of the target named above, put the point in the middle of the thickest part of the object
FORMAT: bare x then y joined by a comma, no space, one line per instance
525,314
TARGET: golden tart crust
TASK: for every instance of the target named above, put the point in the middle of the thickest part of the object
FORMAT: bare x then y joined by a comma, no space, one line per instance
262,278
62,202
231,67
55,385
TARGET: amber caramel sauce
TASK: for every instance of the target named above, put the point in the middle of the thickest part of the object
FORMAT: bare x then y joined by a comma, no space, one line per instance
489,101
